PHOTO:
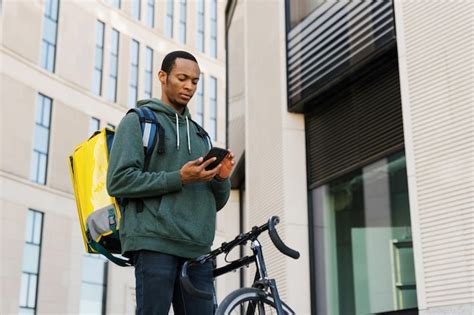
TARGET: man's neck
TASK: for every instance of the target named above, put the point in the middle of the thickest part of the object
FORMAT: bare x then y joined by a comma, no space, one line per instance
179,109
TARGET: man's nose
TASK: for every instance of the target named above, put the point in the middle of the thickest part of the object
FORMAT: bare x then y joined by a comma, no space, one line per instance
188,85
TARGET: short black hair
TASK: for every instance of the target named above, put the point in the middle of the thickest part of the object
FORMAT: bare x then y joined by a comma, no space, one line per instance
169,60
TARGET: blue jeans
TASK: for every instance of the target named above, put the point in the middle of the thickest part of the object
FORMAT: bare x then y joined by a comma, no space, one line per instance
158,285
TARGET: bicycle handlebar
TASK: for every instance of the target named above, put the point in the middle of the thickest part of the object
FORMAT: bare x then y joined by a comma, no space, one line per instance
227,247
277,240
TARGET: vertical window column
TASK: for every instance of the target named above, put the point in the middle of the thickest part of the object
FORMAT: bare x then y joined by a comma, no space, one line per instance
39,159
31,262
136,9
133,87
50,32
116,3
169,18
213,39
200,101
148,72
150,15
200,26
113,71
212,128
94,125
182,21
99,58
93,285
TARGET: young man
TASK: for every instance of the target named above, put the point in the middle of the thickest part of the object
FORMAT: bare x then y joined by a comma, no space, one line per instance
171,208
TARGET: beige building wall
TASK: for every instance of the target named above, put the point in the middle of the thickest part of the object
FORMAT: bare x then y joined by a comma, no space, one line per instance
275,169
435,46
73,104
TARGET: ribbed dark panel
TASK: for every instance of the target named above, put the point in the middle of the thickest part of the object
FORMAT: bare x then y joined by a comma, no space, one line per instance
359,124
331,41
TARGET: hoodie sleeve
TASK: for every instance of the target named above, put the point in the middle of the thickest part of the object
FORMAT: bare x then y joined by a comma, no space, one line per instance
221,191
125,175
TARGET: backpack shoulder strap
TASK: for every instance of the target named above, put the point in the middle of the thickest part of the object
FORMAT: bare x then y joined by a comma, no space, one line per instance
149,126
203,133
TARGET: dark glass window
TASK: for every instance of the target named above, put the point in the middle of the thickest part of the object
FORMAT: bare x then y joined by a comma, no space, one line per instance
213,39
116,3
50,32
212,127
169,18
363,249
94,125
148,72
99,58
133,87
136,9
31,262
150,15
200,25
182,21
39,160
200,101
113,71
93,285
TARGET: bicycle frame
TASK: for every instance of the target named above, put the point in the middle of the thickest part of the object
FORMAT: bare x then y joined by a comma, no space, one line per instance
261,279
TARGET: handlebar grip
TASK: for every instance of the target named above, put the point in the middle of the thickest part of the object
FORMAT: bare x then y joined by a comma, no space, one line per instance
189,287
277,240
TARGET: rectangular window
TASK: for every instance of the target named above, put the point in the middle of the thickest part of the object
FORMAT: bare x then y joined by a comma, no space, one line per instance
212,128
133,87
213,39
50,32
116,3
169,18
364,231
200,26
94,125
31,262
136,9
148,72
182,21
150,15
39,159
113,71
200,101
99,58
93,285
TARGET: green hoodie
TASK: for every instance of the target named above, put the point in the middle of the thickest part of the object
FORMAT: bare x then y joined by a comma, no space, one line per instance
176,219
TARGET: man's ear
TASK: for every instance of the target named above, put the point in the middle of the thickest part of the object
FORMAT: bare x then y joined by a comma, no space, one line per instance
162,76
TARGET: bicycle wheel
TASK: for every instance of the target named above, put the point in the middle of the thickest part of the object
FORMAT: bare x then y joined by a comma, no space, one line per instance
250,301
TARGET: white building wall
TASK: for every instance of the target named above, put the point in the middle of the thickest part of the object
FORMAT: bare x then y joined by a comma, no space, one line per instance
275,151
435,45
22,78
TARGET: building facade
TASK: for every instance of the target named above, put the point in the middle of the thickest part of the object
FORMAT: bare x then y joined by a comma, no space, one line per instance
353,121
68,69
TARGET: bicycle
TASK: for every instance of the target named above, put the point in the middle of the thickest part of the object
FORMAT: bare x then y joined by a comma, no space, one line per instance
262,297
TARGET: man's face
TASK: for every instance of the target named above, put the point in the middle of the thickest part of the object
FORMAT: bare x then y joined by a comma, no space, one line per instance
180,84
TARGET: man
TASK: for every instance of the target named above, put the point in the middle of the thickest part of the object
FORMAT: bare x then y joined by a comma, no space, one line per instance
171,208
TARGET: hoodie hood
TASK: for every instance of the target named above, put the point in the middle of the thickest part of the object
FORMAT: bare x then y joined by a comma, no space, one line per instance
160,107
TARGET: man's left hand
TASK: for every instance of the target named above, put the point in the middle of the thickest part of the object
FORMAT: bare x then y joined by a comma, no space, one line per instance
227,165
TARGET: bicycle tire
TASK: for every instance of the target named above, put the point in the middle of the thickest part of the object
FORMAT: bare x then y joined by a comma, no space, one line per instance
233,302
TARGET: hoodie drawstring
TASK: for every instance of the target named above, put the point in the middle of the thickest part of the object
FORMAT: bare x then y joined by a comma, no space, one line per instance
187,132
189,138
177,131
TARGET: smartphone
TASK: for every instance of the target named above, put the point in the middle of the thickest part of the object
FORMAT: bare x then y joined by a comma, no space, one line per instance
218,153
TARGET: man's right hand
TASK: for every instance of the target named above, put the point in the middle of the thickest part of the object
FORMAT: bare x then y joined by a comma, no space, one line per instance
195,171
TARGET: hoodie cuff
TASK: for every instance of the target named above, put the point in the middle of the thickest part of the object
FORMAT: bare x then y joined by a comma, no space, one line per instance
221,185
174,181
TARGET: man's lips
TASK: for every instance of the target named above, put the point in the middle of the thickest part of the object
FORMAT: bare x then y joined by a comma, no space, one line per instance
185,96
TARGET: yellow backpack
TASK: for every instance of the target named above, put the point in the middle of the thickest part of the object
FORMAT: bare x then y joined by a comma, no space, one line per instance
99,213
